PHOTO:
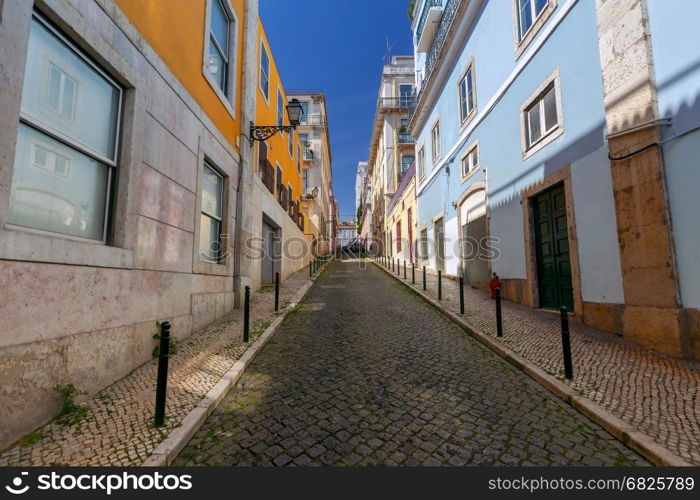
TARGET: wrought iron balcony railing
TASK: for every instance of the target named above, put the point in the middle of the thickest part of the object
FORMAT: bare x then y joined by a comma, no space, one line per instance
448,16
405,138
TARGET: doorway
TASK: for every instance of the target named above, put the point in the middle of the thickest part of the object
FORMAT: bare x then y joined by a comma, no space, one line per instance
551,229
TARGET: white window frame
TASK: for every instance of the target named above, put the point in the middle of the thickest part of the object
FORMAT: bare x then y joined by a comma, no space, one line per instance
523,39
279,110
436,142
537,98
304,116
219,258
473,168
265,92
469,72
421,162
226,97
53,133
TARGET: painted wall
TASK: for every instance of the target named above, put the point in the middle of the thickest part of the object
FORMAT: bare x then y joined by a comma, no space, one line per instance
491,46
675,39
163,28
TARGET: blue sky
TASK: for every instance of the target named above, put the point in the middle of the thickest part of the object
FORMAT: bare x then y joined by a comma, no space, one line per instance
337,46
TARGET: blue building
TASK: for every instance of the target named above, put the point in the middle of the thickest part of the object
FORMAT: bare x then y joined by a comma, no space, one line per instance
555,147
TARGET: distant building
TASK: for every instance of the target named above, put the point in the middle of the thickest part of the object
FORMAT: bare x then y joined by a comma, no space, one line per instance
347,232
391,150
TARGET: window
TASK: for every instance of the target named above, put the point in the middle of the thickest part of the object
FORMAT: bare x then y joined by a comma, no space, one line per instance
466,95
280,184
219,45
398,236
406,162
305,181
405,93
212,215
470,161
304,112
435,141
280,109
528,12
541,117
264,71
290,143
298,159
66,153
421,163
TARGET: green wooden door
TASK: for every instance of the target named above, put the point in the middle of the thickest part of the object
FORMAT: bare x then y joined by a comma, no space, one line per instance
552,248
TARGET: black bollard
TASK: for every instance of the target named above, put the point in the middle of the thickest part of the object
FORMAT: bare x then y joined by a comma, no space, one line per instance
499,319
424,284
392,264
413,273
246,315
439,285
566,344
311,269
277,291
162,381
461,295
404,269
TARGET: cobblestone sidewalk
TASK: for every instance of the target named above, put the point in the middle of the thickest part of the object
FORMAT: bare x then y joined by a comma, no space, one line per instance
657,394
118,427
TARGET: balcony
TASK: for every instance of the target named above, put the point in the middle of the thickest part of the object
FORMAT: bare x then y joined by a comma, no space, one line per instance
403,102
313,120
428,23
405,138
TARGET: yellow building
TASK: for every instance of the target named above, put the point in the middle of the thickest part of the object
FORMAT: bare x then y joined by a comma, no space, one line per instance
208,62
277,160
402,220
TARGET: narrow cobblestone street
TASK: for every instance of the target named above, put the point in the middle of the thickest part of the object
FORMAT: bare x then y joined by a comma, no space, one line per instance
366,373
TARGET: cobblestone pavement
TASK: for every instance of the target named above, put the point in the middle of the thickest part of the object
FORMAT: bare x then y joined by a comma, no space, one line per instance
365,372
657,394
118,428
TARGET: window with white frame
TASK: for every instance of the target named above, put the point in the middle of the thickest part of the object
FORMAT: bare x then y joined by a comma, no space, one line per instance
264,70
305,182
298,159
470,161
280,109
466,94
421,162
424,244
541,117
405,93
220,29
66,151
528,12
290,143
435,141
211,216
406,162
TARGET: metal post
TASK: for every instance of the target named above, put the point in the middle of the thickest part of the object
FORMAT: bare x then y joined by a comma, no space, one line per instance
499,319
413,273
246,315
277,291
439,285
311,269
392,264
162,381
404,269
566,344
424,284
461,295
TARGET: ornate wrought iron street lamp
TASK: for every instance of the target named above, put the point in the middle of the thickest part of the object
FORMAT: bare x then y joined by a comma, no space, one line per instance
264,132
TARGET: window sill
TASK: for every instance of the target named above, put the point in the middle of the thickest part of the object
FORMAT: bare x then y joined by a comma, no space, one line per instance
222,97
24,245
469,175
544,141
468,119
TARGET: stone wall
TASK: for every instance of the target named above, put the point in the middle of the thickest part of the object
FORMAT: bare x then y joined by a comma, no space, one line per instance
85,313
